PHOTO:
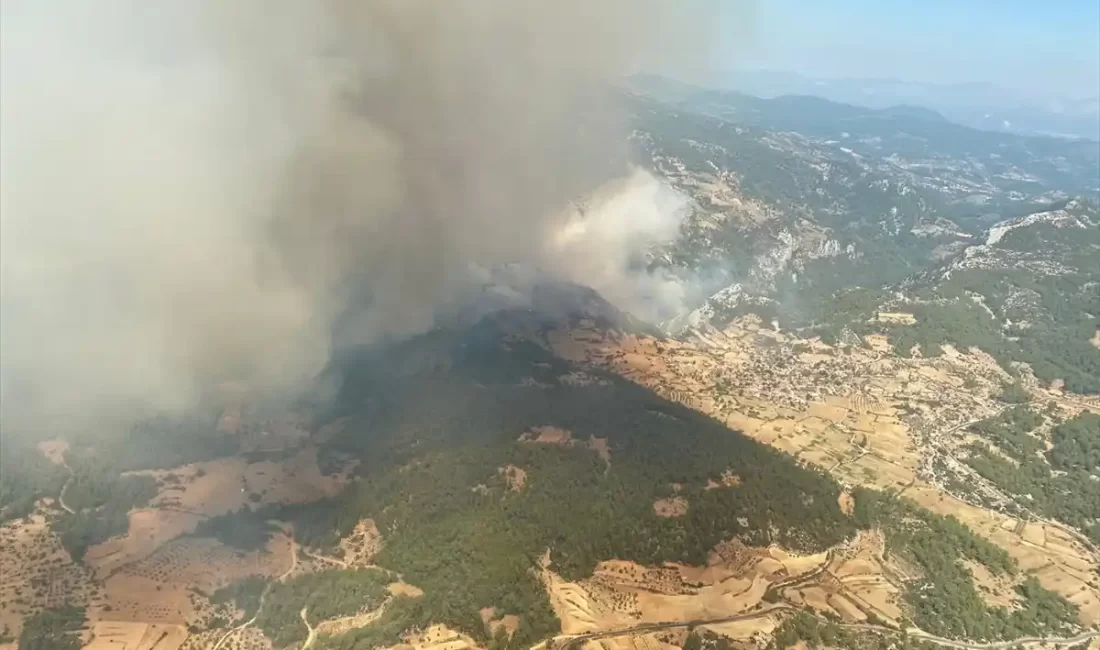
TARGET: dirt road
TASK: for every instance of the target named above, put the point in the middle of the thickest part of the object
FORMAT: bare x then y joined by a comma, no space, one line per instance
576,641
324,558
1007,645
580,639
68,482
312,631
263,595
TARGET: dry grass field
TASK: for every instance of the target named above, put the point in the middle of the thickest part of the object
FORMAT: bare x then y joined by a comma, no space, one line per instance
119,635
847,582
548,435
671,507
1060,563
248,639
161,587
210,489
362,543
516,477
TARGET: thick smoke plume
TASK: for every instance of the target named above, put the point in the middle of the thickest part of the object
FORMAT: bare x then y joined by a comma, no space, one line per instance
197,191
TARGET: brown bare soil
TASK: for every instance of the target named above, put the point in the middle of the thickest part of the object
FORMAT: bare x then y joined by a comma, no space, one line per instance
440,637
812,596
515,477
159,588
548,435
509,622
728,479
402,589
141,636
599,445
143,606
846,502
671,507
142,588
998,591
622,594
210,489
761,626
847,609
119,635
662,640
362,544
250,638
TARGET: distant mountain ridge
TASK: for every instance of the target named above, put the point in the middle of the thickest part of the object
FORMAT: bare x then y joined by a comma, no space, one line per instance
816,114
817,215
978,105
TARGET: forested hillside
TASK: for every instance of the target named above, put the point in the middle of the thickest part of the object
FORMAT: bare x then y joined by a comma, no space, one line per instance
1062,482
433,444
944,599
1030,293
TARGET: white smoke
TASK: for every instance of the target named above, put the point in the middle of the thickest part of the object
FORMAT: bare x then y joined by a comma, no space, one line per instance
606,245
194,191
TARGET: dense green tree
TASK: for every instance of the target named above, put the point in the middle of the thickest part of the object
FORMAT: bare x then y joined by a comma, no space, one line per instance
324,595
1076,444
944,600
244,529
53,629
428,440
244,593
693,642
26,475
1070,494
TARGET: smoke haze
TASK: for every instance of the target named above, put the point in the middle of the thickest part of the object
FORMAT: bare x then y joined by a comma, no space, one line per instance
193,192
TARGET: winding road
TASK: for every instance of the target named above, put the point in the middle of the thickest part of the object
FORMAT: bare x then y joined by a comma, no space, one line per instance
1006,645
324,558
312,630
68,482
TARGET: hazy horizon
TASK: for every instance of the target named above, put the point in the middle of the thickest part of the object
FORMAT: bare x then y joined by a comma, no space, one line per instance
1031,50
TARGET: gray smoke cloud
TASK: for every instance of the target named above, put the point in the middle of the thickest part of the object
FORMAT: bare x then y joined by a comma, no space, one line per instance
194,192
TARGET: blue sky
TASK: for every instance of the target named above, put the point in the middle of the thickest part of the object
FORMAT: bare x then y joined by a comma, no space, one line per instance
1036,46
